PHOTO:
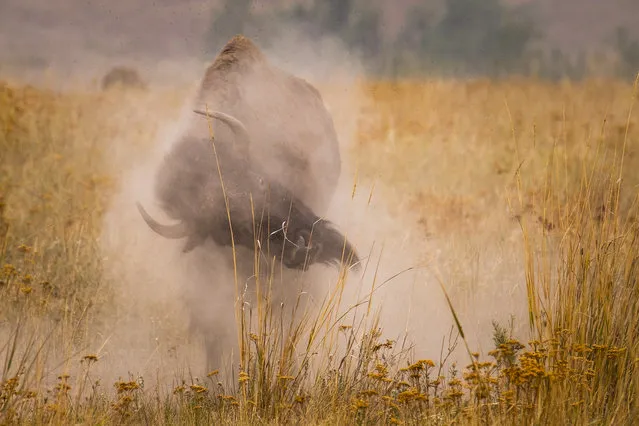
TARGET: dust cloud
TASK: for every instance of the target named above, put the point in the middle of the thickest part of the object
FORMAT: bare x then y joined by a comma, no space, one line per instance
161,292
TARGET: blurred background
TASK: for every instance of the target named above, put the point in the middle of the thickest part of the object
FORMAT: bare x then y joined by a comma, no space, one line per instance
549,39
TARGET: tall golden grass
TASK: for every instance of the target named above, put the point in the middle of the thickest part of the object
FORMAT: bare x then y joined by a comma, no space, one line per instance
561,159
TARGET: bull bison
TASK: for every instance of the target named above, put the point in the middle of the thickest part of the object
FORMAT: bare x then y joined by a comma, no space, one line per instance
285,140
263,182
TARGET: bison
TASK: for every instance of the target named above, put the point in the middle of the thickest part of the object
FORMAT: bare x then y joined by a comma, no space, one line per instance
263,182
285,140
123,76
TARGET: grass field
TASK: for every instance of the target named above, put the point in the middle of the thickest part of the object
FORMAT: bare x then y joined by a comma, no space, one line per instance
515,197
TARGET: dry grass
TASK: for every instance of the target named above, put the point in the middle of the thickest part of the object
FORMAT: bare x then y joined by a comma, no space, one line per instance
549,171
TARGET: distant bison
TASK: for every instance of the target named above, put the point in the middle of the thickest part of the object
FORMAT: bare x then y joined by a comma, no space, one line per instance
123,77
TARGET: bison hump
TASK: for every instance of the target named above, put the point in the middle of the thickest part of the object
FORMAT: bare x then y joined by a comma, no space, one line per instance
238,58
238,54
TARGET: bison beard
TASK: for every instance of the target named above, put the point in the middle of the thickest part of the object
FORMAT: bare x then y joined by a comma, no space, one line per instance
264,215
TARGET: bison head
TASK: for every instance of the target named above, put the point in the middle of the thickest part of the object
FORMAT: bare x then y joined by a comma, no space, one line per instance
263,213
297,236
304,245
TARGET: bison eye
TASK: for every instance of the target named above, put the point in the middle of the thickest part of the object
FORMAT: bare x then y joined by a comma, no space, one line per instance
300,242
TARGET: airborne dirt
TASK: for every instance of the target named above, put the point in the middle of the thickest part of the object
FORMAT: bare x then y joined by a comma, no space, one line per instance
155,280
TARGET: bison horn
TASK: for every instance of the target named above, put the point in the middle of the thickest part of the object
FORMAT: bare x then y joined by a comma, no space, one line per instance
236,125
167,231
304,239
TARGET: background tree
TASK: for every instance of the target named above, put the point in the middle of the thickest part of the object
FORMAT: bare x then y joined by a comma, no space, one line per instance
333,15
628,51
412,48
232,18
473,37
356,24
